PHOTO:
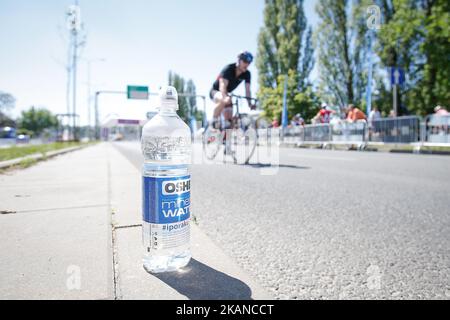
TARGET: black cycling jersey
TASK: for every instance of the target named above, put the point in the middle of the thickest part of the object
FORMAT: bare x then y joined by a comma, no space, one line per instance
229,73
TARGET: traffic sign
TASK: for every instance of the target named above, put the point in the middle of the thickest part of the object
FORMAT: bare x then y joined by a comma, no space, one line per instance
397,76
137,92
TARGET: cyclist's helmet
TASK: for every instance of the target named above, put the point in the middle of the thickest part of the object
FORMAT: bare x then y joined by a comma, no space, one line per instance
245,56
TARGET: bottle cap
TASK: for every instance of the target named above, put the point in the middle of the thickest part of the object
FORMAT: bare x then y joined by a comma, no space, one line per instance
168,97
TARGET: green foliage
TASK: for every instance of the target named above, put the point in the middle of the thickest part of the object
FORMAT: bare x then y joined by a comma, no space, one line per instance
22,151
415,35
434,85
300,101
24,131
6,121
37,120
284,46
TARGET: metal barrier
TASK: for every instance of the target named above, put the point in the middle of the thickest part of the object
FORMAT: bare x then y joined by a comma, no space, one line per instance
345,132
433,130
436,129
293,135
395,130
315,133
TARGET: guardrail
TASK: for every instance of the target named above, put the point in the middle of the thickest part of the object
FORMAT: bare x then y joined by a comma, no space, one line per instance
433,130
345,132
316,133
395,130
292,135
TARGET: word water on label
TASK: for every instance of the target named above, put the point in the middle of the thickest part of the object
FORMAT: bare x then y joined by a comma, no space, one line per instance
166,211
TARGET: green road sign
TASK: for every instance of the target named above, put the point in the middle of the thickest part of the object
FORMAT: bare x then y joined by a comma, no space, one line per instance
137,92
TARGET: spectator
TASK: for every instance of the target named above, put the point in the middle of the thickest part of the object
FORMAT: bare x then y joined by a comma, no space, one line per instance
297,120
374,125
355,114
391,114
294,122
439,125
374,115
441,111
324,113
275,123
315,119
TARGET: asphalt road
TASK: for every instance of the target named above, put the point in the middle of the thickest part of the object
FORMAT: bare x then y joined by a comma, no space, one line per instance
330,224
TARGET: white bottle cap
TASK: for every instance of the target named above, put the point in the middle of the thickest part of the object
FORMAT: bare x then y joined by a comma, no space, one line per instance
168,98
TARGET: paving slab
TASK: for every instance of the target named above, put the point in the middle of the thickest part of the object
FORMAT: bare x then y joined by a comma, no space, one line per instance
56,239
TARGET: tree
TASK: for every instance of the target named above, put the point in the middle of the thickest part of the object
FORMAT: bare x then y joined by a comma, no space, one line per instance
303,102
6,121
342,42
7,101
415,35
398,42
284,47
187,105
434,73
36,120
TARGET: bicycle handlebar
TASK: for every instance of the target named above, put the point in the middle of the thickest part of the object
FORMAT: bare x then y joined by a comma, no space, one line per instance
242,97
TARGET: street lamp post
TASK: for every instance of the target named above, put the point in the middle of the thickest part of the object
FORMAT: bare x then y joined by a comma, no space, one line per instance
97,125
373,24
97,120
74,25
88,63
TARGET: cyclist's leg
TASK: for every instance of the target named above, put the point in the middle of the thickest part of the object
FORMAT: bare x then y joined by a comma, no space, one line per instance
228,115
215,97
220,102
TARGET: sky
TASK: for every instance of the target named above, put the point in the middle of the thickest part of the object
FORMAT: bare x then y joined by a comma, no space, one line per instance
133,42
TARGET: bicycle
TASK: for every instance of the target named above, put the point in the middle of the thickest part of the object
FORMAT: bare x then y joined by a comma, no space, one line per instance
238,139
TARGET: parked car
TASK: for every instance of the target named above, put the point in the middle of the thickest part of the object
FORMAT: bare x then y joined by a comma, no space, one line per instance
23,138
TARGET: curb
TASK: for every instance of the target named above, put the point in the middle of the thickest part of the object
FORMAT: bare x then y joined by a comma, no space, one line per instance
37,156
371,148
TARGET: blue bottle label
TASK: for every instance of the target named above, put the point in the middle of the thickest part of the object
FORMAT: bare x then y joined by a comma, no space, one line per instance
166,200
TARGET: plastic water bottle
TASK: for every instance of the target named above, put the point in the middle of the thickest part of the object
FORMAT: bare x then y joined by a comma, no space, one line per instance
166,146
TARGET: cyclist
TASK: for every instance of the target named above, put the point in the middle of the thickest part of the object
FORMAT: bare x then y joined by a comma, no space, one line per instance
228,79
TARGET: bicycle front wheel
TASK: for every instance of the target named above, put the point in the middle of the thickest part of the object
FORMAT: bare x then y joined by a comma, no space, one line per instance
212,142
243,144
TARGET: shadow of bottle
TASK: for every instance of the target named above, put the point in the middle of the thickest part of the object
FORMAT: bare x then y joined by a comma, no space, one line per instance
197,281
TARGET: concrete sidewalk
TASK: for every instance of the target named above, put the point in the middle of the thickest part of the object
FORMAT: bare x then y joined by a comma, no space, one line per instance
56,243
73,231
